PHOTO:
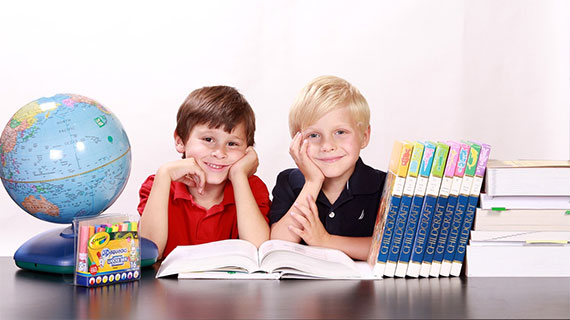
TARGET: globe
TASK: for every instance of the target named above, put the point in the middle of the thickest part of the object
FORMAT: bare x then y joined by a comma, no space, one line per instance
63,157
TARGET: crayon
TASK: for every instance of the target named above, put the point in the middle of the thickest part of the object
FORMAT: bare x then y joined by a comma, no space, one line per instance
82,249
91,233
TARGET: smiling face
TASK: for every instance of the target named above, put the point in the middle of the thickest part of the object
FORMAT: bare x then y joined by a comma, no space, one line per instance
335,141
215,150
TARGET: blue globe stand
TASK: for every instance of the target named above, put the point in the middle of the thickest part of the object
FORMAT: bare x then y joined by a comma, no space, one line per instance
53,251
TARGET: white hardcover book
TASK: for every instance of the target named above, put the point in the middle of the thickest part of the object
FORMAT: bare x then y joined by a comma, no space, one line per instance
522,220
528,178
502,238
524,202
518,261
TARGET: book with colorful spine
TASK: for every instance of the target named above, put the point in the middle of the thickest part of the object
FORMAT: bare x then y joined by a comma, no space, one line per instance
402,217
415,209
457,263
446,183
428,209
389,205
449,210
459,213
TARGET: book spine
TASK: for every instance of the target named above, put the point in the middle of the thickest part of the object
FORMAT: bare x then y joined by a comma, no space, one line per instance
443,235
430,201
409,233
449,210
459,214
431,244
457,263
417,202
453,235
418,246
444,191
397,170
387,234
402,216
395,246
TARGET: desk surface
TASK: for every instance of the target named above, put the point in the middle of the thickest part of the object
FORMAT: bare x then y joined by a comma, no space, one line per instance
33,295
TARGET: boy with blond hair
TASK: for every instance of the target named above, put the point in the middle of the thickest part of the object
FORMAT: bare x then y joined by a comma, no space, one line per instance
332,198
211,193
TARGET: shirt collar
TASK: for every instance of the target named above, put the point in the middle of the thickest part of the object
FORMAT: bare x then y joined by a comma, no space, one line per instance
181,192
363,180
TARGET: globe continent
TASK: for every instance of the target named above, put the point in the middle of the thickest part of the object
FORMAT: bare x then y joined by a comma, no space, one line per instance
63,157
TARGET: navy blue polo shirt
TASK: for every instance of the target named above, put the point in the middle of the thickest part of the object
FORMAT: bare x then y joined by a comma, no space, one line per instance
353,214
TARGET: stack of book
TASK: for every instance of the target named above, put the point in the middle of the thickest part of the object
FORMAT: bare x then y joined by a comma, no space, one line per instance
523,226
427,209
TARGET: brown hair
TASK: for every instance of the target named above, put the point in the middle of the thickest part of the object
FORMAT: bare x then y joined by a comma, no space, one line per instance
215,107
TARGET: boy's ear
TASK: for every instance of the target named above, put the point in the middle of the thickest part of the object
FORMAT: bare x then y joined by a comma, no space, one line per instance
178,143
365,138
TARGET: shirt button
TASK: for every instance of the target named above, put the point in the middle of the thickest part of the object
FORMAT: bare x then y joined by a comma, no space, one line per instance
331,215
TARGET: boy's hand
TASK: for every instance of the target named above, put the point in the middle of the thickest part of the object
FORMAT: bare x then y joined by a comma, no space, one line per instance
246,166
313,232
298,151
186,171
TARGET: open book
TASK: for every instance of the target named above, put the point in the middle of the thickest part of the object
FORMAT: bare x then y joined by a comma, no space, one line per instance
275,259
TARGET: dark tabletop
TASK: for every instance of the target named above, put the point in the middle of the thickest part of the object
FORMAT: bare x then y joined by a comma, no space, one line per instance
34,295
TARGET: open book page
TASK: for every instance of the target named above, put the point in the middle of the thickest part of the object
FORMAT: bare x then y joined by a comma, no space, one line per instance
363,267
229,275
300,261
227,255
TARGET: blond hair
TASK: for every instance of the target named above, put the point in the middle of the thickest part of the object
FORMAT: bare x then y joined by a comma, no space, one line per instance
324,94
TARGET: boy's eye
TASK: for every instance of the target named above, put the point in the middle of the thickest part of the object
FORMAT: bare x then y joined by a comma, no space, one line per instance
340,132
208,139
233,144
313,135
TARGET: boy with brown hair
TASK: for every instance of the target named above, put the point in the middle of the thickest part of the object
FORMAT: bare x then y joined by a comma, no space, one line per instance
210,194
332,198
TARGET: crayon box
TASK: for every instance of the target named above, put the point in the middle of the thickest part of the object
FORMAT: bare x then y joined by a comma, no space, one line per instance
107,250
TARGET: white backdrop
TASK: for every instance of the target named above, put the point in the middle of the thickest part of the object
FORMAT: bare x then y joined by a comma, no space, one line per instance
492,71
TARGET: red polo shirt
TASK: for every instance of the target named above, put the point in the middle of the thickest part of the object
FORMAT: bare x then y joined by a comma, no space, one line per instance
189,223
